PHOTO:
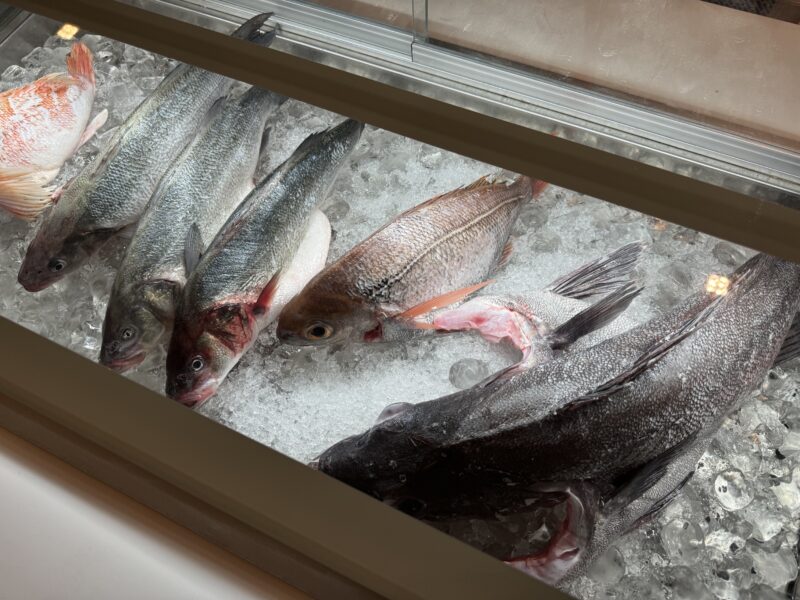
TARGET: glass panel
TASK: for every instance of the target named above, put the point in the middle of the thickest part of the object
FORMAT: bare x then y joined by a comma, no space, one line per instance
595,426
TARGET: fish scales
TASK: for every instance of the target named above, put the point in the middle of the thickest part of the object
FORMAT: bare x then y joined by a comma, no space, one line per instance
210,179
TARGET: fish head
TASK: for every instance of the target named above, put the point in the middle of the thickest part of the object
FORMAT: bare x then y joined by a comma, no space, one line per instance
58,248
135,322
203,349
316,319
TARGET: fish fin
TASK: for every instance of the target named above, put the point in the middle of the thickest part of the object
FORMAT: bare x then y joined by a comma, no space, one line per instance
79,62
597,316
500,376
22,195
635,483
162,296
647,359
538,186
193,249
481,182
441,301
265,297
249,29
791,344
56,79
264,142
661,502
505,256
600,276
95,124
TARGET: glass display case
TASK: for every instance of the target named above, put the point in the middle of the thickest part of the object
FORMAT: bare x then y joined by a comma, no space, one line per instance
532,289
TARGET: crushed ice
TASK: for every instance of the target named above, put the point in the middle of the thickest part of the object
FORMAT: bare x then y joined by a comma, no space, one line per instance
732,532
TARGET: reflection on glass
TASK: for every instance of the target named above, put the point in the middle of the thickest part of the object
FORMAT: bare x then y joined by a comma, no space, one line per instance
656,53
397,13
441,276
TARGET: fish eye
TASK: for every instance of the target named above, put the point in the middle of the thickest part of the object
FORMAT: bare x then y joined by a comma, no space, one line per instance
128,333
318,331
197,363
56,265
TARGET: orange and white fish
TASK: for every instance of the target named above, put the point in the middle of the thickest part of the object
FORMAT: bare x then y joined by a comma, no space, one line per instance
42,124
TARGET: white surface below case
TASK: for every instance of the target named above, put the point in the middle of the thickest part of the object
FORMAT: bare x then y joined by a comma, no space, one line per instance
64,535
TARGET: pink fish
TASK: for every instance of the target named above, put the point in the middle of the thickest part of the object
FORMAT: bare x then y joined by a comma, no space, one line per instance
42,124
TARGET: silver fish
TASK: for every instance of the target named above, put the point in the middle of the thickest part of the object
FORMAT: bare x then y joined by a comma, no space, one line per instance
112,191
231,295
606,425
202,189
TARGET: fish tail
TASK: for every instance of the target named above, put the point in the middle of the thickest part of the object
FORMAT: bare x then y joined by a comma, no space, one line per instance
22,195
79,62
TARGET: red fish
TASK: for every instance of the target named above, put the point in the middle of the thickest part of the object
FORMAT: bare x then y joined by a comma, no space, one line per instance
42,124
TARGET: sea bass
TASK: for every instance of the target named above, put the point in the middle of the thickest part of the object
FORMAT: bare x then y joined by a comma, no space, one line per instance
269,248
200,191
430,256
112,191
605,425
42,124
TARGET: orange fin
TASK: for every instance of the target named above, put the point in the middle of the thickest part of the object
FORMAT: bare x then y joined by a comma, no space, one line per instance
539,186
441,301
265,297
508,250
79,62
21,194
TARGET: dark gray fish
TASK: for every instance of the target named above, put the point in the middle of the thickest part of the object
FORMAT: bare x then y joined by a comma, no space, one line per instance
203,187
604,425
264,254
112,191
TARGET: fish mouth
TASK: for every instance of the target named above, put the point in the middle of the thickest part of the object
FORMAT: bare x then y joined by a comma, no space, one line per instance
120,365
34,285
194,398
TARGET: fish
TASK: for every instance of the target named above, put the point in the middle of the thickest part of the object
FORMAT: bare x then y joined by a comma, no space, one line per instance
268,249
430,256
111,192
609,427
543,322
42,124
196,196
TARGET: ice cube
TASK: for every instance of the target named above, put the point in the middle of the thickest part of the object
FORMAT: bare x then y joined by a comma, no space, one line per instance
682,541
788,495
609,568
733,490
467,372
774,569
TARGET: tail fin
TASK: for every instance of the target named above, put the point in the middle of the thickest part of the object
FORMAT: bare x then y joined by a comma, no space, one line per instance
22,195
600,276
79,62
249,29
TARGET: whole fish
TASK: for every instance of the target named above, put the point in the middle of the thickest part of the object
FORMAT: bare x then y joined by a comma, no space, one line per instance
540,323
431,255
42,124
202,188
112,191
603,425
231,295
